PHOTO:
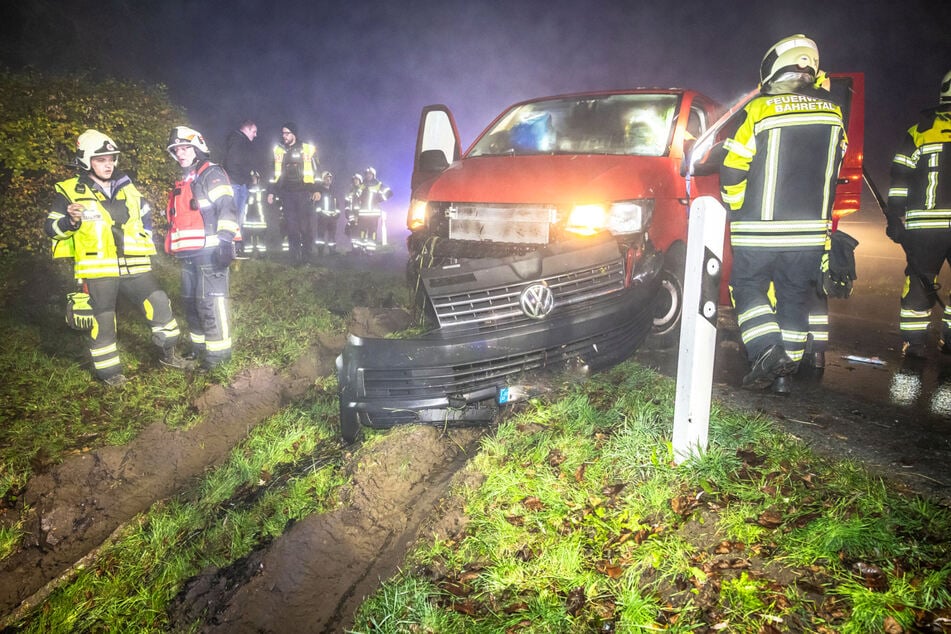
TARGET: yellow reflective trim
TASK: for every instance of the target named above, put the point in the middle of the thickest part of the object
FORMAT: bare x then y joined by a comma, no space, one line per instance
752,313
98,352
760,331
107,363
221,190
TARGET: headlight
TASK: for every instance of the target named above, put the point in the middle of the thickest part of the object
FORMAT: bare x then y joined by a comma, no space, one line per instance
630,216
418,215
587,220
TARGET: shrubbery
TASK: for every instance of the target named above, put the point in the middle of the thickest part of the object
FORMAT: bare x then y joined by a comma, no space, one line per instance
41,117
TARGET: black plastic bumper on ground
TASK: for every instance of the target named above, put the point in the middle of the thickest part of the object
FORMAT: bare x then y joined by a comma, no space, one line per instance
454,377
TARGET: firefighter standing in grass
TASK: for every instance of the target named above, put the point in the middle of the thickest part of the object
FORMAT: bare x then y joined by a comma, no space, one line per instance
100,220
352,210
919,219
203,221
327,214
778,179
365,201
295,184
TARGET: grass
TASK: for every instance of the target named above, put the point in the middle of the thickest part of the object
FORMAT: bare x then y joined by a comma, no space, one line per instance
582,523
51,406
287,469
579,521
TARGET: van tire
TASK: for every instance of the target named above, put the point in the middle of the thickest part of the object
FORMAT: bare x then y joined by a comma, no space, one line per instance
668,304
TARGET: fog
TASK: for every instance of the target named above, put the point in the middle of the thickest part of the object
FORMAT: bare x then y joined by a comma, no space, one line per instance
354,76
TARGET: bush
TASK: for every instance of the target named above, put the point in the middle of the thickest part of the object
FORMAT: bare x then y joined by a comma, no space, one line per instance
41,117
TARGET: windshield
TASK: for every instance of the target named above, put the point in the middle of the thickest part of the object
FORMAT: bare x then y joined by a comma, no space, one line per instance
636,125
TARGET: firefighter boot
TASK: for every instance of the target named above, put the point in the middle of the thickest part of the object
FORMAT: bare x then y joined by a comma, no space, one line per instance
782,385
172,359
772,363
115,380
914,350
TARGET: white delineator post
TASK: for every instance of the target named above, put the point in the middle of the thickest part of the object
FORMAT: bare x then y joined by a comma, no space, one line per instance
698,327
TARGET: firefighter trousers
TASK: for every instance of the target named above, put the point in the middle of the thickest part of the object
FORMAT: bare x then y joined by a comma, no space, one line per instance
326,231
926,251
141,289
368,225
300,221
793,274
205,293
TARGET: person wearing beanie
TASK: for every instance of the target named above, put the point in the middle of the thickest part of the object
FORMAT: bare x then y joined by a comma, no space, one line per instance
295,185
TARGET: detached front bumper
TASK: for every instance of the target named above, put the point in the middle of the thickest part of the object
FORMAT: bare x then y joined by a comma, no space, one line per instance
461,374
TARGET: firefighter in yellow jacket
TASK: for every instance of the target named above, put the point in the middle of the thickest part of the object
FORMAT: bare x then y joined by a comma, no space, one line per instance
919,219
778,179
100,220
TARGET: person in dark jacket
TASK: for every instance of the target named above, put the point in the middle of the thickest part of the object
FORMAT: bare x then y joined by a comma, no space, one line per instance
778,179
241,164
919,219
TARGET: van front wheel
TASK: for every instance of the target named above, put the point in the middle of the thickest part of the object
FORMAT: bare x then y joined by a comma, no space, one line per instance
668,304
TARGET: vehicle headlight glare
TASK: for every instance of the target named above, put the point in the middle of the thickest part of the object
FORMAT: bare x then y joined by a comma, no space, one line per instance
630,216
587,220
418,215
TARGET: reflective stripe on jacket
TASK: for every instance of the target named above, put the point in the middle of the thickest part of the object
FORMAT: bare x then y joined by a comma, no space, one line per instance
780,171
99,246
201,210
920,189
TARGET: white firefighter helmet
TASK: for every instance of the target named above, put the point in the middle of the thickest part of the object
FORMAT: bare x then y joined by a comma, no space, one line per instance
794,53
945,94
326,176
369,173
183,135
358,177
93,143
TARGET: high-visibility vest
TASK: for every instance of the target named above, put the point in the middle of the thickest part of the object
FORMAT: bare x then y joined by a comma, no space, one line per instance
186,225
93,245
307,153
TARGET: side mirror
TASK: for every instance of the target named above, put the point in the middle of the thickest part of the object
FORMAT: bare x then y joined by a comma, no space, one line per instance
432,161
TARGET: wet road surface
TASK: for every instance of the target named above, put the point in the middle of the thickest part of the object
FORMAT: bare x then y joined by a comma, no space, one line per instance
891,413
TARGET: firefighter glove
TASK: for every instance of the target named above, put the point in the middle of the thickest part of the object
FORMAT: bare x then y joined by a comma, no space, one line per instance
79,315
895,229
837,270
225,254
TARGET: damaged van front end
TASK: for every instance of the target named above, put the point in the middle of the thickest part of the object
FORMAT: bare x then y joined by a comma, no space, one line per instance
576,306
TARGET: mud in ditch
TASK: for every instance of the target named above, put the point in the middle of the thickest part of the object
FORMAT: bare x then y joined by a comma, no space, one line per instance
77,505
315,576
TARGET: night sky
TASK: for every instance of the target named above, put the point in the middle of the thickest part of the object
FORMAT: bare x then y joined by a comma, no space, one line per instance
354,75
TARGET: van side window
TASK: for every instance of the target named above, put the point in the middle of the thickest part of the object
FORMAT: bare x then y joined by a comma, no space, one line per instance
696,122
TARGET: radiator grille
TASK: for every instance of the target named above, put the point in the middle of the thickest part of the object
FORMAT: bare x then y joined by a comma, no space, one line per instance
499,307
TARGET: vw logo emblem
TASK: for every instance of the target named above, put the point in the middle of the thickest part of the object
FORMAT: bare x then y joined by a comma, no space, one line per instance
537,301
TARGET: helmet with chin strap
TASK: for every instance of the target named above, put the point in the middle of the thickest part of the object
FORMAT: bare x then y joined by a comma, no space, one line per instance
183,135
796,53
93,143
